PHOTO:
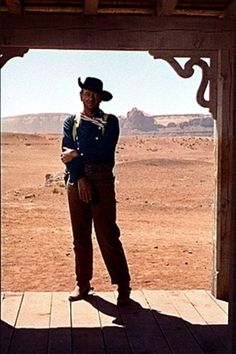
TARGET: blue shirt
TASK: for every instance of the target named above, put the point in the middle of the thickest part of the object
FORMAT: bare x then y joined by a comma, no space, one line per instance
94,146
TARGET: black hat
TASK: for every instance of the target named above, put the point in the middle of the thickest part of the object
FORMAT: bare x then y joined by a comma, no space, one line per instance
95,85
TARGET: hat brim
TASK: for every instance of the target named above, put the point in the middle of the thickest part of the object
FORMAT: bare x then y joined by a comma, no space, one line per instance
106,96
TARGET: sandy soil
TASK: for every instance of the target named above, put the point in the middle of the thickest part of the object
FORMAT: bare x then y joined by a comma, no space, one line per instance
164,191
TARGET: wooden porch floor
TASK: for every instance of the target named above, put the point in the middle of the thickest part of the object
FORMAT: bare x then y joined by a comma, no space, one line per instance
182,322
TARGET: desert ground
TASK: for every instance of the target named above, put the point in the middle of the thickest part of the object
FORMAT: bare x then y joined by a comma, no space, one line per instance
164,190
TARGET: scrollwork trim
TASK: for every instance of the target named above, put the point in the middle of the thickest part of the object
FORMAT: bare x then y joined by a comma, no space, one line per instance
187,71
7,53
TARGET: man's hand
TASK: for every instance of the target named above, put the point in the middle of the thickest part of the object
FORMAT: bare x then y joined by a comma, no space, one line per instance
68,154
85,190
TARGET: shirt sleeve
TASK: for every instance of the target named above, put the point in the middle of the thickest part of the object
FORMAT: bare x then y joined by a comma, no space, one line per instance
104,149
75,166
67,140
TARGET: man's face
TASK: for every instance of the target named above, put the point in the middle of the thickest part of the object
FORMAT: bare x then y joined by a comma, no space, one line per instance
90,99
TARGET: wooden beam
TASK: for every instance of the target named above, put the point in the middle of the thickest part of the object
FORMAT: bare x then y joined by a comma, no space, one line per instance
230,11
15,6
166,7
68,31
196,12
90,7
73,10
53,9
126,10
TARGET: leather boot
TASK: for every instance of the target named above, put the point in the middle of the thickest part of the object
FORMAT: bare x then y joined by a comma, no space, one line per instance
80,292
123,298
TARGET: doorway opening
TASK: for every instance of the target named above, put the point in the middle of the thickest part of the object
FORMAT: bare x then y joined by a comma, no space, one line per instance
164,177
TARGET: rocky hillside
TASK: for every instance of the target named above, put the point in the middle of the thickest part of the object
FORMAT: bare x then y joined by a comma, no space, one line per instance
35,123
135,122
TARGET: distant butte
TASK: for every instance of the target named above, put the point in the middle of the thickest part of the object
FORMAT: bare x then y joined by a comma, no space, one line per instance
135,122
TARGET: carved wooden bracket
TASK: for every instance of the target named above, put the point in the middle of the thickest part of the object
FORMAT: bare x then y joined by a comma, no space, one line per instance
6,53
208,75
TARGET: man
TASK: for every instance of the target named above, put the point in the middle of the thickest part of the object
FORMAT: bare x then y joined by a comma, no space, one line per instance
88,150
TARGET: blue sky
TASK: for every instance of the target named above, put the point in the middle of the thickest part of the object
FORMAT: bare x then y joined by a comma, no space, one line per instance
46,81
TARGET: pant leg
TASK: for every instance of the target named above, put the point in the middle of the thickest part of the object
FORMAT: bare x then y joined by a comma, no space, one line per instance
107,232
81,221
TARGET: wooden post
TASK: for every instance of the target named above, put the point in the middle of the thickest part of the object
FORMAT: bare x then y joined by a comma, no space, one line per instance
223,162
232,294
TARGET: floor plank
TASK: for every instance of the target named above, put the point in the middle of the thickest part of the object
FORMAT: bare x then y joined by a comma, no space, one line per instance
113,330
86,329
203,333
164,322
173,326
115,335
206,307
32,325
223,304
143,333
10,307
212,314
60,325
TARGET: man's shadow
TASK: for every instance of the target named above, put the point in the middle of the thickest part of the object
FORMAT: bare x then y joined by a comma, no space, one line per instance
150,331
129,329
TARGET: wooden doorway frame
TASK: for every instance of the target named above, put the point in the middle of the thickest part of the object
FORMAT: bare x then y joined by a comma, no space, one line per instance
213,38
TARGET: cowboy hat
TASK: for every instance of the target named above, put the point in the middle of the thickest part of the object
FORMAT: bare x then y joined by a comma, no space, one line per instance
95,85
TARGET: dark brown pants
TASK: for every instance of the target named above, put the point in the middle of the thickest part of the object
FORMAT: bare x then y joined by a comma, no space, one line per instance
102,211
